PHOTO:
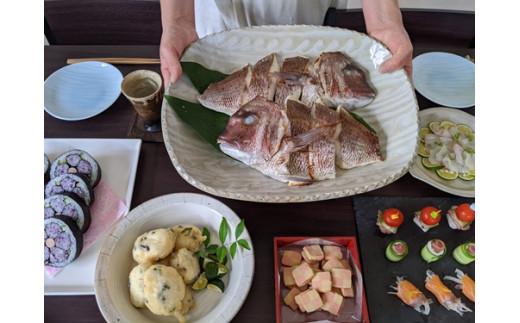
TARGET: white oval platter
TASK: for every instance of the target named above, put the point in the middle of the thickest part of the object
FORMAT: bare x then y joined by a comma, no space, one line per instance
393,114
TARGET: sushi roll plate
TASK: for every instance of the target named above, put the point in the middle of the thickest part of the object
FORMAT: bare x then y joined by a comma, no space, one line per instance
118,159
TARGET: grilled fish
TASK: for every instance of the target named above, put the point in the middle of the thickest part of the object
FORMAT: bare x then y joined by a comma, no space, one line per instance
242,86
342,82
289,84
322,153
263,82
224,96
333,79
299,144
260,134
356,145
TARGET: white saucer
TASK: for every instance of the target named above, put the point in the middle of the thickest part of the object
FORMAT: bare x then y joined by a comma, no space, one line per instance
446,79
81,91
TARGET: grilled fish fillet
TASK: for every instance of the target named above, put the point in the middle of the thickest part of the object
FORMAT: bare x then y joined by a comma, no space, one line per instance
356,145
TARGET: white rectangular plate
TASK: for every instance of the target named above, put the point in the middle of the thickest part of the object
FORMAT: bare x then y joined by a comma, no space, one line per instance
118,160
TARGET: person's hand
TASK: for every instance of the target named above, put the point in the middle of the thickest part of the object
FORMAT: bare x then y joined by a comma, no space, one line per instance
397,40
173,42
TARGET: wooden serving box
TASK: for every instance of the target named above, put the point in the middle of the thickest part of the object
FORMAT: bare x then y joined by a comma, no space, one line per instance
348,242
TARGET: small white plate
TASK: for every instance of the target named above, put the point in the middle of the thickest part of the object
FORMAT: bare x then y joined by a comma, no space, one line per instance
115,259
445,79
457,186
81,91
118,160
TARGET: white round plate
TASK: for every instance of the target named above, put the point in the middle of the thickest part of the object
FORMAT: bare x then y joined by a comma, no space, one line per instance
115,260
81,91
446,79
393,114
457,186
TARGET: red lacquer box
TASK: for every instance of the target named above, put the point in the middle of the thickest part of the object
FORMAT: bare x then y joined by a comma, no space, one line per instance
348,242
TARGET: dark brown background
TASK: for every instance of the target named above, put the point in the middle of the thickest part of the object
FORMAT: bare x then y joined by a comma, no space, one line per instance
132,28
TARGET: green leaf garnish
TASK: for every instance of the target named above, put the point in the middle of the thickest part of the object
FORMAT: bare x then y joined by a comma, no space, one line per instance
233,249
206,234
244,244
239,229
223,230
221,254
362,121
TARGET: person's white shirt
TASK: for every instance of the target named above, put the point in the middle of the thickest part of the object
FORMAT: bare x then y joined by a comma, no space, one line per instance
213,16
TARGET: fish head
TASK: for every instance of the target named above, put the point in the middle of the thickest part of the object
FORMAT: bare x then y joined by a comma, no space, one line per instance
254,133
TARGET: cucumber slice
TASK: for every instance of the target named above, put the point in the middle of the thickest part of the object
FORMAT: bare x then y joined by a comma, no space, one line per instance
467,131
423,132
447,174
434,125
427,164
461,254
392,255
472,172
428,256
423,151
466,176
447,124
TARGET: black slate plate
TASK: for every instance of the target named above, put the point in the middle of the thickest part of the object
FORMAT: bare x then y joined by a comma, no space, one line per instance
379,273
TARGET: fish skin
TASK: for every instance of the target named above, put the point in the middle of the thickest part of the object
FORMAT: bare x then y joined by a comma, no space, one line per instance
262,83
224,96
322,153
301,121
254,133
261,135
342,81
356,145
288,84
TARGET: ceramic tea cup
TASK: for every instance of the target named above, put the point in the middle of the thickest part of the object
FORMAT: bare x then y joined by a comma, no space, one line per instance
144,89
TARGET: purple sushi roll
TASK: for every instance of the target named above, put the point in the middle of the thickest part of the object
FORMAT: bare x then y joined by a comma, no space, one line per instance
68,205
62,241
70,183
77,162
46,166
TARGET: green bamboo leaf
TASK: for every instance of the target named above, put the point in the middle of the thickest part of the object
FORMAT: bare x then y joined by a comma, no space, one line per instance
221,253
223,230
207,123
233,249
206,234
239,229
200,76
244,244
362,121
